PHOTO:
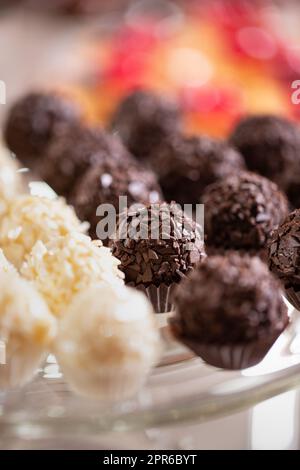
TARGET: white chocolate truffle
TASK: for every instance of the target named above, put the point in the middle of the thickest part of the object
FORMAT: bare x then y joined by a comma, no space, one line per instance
10,179
26,330
30,219
66,265
108,342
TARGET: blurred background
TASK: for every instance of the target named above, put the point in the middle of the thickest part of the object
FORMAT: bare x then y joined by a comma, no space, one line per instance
219,58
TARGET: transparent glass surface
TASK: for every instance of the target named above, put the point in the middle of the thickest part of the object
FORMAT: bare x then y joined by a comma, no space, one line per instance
182,388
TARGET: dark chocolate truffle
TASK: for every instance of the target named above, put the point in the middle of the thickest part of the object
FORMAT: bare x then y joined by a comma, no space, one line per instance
284,255
143,119
106,181
241,211
271,147
72,151
34,119
164,258
229,305
186,165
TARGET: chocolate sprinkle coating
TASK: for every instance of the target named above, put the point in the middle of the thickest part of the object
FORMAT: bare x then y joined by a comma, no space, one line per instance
187,165
74,150
284,251
33,121
143,119
228,300
241,211
271,147
104,182
163,259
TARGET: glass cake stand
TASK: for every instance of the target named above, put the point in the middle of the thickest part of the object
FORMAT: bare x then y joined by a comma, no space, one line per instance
181,389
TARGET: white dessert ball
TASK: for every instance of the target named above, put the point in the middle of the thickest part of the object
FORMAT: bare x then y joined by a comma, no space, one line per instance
30,219
66,265
27,330
108,342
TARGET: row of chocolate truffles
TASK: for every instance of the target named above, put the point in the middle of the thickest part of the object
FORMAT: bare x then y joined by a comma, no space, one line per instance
152,128
229,310
85,164
90,166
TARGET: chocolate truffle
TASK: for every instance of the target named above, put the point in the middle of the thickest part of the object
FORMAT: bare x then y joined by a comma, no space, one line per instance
143,119
165,247
72,151
33,120
284,256
229,311
241,211
108,352
271,147
186,165
105,182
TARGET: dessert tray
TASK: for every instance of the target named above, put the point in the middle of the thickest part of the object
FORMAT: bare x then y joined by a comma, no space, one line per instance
182,388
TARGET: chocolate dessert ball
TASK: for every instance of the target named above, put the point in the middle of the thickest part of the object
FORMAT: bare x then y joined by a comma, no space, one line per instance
186,165
33,120
241,211
284,256
143,119
72,151
165,247
105,182
229,311
271,147
163,259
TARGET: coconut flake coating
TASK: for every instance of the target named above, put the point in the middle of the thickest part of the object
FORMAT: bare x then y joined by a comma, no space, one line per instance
232,299
33,121
31,218
241,211
26,327
108,341
67,265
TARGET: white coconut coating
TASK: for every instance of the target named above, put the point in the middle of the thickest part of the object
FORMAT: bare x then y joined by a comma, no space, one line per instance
27,330
108,342
66,266
30,219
